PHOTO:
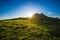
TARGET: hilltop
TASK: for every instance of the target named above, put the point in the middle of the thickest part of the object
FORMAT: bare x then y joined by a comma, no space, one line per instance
41,19
39,27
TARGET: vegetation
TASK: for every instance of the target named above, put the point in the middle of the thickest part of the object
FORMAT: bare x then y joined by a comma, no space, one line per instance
36,28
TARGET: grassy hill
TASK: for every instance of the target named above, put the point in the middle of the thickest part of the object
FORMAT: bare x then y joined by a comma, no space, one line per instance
43,28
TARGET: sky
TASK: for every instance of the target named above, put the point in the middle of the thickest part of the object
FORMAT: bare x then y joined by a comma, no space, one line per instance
24,8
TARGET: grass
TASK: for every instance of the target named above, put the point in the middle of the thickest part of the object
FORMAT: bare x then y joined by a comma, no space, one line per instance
23,30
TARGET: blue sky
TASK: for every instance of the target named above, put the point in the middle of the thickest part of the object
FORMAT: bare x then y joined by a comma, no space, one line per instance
23,8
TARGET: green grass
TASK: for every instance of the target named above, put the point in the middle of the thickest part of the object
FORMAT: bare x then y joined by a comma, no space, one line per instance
23,30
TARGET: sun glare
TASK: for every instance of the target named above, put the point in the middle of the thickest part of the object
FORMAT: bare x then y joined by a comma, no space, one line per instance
30,15
29,10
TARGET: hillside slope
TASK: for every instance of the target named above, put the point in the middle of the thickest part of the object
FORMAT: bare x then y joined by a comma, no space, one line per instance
43,28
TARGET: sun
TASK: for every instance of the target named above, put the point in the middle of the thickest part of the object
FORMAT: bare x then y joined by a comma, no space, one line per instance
29,15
